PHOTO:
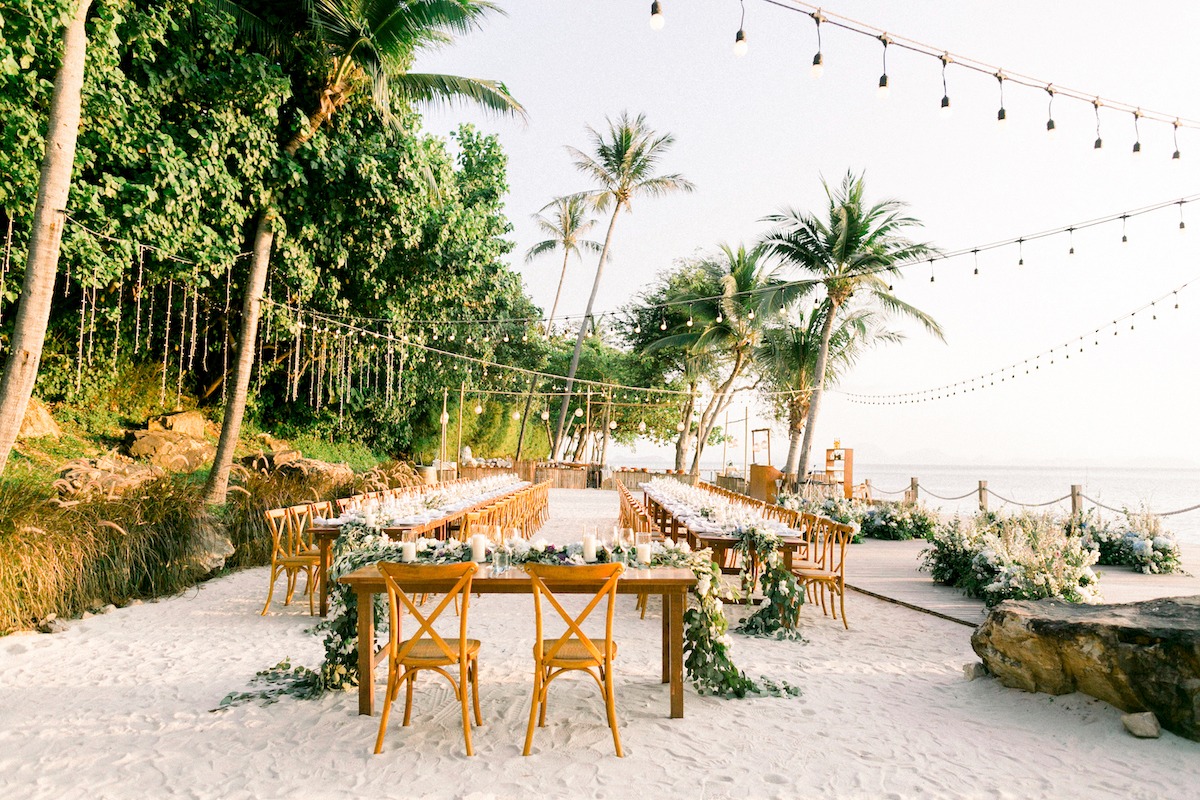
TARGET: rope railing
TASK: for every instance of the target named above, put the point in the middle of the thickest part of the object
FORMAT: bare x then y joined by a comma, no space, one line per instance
1028,505
875,488
1071,496
939,497
1151,513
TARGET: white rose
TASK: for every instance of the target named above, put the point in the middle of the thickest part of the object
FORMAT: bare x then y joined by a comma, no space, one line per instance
539,546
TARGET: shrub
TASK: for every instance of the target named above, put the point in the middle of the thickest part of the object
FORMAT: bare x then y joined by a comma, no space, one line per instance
951,551
1140,541
899,521
1031,557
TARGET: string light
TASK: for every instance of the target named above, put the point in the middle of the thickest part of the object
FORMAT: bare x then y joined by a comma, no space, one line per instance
1050,110
1071,234
1099,142
1137,135
976,253
478,408
1001,115
516,415
882,90
931,270
1020,252
545,416
579,412
1182,225
1124,237
818,63
946,110
740,46
656,16
1175,135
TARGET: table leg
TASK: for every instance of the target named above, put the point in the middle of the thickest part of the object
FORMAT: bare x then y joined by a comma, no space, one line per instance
666,637
678,601
366,653
323,576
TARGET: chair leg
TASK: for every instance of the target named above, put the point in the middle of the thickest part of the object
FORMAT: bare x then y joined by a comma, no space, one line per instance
545,698
611,707
474,670
388,698
291,587
310,586
533,707
842,599
466,713
410,676
270,590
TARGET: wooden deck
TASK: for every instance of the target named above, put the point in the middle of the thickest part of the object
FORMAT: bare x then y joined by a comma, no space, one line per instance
889,571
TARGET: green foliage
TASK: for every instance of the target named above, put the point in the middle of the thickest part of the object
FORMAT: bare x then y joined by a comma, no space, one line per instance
1139,541
899,521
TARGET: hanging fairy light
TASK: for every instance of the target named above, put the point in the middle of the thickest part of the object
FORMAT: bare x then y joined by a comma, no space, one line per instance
1182,225
612,426
478,408
1050,110
579,412
657,20
545,416
516,415
1124,235
882,90
818,63
679,426
1099,142
642,426
1071,235
690,321
1175,135
1020,252
946,110
740,46
1137,134
1001,115
975,253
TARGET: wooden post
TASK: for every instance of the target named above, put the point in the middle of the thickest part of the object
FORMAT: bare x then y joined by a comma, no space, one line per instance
462,398
445,420
913,490
867,489
983,494
1076,499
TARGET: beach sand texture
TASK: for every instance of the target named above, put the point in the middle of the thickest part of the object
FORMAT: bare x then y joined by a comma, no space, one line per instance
120,706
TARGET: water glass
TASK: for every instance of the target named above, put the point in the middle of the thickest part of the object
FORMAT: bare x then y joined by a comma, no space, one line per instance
500,560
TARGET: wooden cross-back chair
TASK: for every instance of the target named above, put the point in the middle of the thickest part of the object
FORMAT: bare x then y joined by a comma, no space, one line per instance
428,650
574,650
291,554
825,571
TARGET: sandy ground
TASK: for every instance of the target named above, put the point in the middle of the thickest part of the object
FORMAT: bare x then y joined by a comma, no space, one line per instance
120,706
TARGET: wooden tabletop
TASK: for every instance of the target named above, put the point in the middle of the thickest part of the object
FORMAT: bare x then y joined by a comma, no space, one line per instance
516,581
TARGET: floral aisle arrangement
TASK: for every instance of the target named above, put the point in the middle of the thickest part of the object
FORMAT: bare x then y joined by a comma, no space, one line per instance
1139,541
707,660
899,521
1027,557
779,613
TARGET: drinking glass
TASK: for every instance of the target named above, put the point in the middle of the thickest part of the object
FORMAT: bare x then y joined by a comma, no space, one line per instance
500,560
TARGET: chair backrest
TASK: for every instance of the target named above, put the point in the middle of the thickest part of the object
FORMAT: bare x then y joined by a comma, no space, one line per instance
302,516
323,509
287,537
830,539
546,576
419,577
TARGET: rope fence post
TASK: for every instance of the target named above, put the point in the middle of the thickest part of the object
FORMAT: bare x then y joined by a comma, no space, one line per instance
867,489
1076,499
913,488
983,493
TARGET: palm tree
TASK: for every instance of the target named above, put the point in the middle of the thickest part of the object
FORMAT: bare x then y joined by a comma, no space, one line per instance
727,328
565,227
624,163
41,265
360,46
787,361
849,253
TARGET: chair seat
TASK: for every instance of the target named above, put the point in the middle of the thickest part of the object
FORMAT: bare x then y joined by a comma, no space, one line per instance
298,561
799,564
816,574
573,653
428,654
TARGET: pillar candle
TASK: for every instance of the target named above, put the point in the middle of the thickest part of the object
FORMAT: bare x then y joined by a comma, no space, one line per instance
408,552
478,548
589,548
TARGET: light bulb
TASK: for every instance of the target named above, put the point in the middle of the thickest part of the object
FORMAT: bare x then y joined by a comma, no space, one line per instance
641,427
663,327
720,318
579,412
739,44
545,416
1098,144
516,415
656,16
1001,116
679,427
1050,125
478,409
637,328
445,418
612,426
882,91
689,322
818,66
946,110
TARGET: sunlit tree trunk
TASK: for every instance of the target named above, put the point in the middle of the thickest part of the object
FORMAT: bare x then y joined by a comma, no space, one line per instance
533,380
797,412
814,406
718,404
45,238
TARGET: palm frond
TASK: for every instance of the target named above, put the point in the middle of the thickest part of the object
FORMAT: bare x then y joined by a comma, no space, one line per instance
433,89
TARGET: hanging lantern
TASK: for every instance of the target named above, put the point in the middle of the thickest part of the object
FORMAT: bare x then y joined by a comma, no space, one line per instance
478,408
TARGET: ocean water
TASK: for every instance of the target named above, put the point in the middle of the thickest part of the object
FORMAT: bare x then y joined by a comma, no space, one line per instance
1154,489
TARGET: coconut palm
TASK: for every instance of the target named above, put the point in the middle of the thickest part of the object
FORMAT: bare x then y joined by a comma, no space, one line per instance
360,46
41,265
849,252
787,361
565,226
624,163
726,328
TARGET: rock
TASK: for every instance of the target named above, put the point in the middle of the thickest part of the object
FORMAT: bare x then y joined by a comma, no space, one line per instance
134,602
38,422
86,615
975,669
51,624
1138,656
172,451
1143,725
108,609
189,423
321,475
212,544
111,476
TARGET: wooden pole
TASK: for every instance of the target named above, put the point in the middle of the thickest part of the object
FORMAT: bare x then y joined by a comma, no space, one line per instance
462,398
912,490
746,450
724,442
445,420
1076,499
867,489
983,495
588,449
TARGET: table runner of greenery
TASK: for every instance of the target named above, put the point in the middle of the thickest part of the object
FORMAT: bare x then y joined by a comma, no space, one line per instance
707,659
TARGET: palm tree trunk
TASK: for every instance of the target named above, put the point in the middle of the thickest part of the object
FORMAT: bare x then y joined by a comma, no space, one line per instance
235,405
41,266
796,415
587,318
533,380
814,405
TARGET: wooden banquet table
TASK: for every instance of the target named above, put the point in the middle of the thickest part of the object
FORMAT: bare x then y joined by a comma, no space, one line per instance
670,582
439,528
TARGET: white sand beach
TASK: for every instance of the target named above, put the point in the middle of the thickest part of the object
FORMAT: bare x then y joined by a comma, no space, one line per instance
121,706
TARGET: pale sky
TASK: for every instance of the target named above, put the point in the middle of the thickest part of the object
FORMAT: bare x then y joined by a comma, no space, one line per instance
757,133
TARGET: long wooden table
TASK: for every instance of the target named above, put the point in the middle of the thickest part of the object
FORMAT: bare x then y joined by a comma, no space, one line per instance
325,535
670,582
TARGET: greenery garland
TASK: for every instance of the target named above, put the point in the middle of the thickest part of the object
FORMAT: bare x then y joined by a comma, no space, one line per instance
706,646
779,613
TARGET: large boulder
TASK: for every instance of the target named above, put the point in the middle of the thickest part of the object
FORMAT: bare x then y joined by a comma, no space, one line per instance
1138,656
211,543
38,422
188,423
109,476
321,475
172,451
